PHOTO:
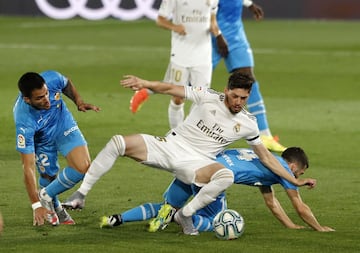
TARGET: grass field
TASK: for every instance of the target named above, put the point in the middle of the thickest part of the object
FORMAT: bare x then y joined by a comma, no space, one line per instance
310,79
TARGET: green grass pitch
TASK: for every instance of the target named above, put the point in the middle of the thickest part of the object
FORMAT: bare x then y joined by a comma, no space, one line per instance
310,79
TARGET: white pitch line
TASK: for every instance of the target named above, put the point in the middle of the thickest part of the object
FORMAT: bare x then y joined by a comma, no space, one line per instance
263,51
78,47
306,52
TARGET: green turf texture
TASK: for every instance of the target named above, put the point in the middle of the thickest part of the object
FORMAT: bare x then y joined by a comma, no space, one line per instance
309,77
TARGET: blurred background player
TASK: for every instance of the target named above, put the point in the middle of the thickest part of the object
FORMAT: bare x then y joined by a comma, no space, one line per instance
238,56
190,57
44,127
248,170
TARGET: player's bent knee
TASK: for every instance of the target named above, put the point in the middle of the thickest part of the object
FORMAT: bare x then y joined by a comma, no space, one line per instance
224,175
85,166
117,144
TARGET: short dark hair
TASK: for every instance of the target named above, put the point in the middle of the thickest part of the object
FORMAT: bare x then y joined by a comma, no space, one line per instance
296,155
30,81
240,80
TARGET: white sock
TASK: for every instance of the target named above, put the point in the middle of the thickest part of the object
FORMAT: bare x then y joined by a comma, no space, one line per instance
103,163
176,114
219,182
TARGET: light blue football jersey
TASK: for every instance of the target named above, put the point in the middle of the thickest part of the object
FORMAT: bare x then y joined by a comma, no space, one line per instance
248,169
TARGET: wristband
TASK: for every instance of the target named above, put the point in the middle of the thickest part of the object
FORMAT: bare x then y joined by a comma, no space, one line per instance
247,3
218,34
36,205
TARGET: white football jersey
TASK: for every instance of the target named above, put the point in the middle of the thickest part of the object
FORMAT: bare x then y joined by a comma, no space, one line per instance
194,48
211,127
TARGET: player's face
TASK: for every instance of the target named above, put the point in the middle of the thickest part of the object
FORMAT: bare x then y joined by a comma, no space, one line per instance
297,170
39,98
236,99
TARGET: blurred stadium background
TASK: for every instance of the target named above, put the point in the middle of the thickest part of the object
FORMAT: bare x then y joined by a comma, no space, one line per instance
307,55
299,9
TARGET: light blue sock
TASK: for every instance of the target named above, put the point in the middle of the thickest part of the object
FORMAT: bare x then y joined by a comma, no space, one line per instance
65,180
202,223
142,212
43,182
256,106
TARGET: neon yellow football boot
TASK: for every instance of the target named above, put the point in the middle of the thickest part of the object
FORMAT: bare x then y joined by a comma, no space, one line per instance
163,218
272,144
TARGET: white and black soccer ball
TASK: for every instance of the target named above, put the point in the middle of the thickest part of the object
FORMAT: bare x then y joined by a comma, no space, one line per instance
228,225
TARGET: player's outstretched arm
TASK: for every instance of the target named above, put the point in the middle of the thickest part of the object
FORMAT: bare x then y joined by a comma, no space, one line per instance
275,207
136,83
305,212
71,92
269,160
39,212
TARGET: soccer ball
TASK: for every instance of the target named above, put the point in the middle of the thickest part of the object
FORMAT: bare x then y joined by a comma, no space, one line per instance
228,225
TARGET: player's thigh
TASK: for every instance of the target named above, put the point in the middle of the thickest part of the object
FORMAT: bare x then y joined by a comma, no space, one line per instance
79,158
46,158
204,173
201,75
73,146
135,147
171,154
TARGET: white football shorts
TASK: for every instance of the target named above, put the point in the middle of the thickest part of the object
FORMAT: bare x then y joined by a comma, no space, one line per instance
171,154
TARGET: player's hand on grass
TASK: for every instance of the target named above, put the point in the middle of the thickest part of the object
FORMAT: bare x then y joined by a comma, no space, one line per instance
296,226
83,107
40,215
309,182
326,229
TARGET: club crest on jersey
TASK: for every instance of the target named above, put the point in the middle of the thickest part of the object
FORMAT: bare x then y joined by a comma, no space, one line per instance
20,141
57,96
222,97
237,128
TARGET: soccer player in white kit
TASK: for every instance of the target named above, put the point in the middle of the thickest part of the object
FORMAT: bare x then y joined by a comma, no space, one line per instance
189,150
191,24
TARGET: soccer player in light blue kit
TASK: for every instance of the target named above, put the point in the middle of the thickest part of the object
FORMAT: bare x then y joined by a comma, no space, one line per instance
248,170
239,57
44,127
